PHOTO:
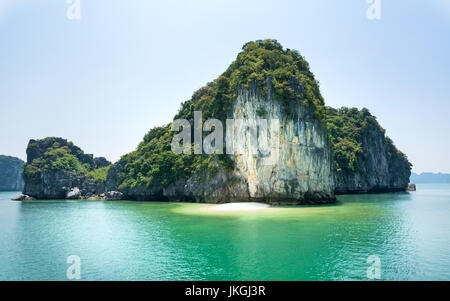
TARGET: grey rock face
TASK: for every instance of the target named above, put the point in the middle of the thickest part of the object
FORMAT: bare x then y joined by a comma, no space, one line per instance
23,197
378,173
101,162
45,182
114,195
73,194
49,184
90,186
11,174
300,170
411,187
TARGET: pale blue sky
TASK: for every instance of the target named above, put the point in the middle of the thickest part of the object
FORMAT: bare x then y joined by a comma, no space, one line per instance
103,81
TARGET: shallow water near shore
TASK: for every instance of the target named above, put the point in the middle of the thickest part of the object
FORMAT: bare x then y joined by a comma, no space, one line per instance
410,232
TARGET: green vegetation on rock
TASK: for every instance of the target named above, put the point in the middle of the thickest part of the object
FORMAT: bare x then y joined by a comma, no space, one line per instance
347,127
348,130
397,159
57,154
263,64
60,158
154,164
99,174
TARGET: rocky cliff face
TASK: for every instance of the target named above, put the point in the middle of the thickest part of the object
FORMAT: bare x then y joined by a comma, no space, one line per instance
265,82
56,167
11,174
366,160
298,169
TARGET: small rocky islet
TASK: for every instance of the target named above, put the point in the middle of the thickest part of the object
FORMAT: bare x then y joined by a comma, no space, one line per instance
322,151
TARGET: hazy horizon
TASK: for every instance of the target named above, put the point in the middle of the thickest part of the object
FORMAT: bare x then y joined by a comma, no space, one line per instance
104,80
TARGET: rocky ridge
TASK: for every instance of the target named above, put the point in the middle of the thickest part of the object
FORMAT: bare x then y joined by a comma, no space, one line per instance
57,169
366,160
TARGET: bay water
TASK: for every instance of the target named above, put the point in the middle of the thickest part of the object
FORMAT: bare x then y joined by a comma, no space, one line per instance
122,240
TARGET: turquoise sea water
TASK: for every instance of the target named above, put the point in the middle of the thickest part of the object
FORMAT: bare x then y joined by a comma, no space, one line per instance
410,232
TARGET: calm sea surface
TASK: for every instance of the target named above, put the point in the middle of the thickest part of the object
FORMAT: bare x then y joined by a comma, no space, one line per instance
409,232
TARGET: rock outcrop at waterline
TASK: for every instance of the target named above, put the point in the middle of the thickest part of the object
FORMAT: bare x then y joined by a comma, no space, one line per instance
11,173
366,161
57,169
411,187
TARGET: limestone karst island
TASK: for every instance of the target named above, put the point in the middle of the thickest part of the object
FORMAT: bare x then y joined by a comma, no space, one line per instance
208,144
321,152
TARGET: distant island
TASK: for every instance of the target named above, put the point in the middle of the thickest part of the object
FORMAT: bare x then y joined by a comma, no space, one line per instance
429,177
11,173
322,151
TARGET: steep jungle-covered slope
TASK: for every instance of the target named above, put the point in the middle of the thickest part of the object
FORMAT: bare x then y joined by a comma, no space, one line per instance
366,160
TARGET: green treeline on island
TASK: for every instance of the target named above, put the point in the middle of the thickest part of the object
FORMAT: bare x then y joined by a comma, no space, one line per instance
335,151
